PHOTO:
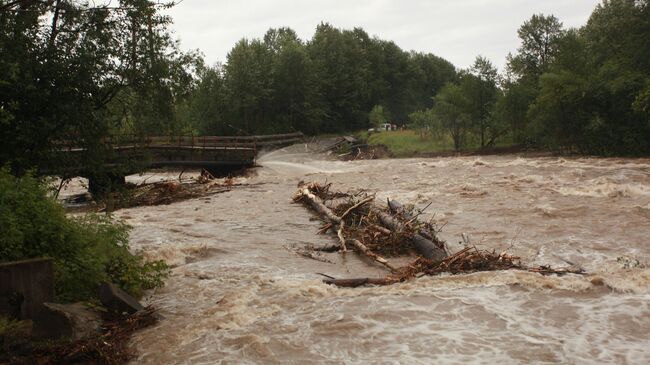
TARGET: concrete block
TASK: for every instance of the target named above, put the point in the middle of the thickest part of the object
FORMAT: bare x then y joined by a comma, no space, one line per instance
24,286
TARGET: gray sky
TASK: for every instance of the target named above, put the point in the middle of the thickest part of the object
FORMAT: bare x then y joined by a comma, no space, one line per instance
456,30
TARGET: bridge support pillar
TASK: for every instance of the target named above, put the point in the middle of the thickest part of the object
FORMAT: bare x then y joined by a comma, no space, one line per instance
102,183
218,171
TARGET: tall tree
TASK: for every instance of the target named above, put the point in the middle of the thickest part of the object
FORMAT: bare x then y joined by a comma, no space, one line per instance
539,45
69,71
249,81
480,87
540,37
450,107
341,67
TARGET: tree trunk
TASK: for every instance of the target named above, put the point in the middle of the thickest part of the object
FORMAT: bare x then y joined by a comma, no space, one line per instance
424,246
354,283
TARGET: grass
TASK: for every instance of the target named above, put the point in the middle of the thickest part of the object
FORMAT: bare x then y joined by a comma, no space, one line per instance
409,142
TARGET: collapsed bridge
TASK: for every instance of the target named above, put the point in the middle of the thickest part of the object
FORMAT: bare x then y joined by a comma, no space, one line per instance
218,155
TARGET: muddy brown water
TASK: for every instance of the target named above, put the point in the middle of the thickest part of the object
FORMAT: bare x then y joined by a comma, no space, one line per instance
237,295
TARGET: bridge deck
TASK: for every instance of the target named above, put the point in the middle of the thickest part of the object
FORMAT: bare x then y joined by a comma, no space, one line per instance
209,152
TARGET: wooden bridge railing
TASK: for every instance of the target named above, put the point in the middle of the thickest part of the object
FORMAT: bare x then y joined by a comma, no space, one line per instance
131,141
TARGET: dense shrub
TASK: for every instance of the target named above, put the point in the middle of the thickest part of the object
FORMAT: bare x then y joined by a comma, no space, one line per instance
86,251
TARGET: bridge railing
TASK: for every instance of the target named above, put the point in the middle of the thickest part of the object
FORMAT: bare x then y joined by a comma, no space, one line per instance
226,141
126,141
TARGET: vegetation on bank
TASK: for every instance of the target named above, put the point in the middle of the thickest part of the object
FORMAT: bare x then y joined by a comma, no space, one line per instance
565,89
86,250
406,143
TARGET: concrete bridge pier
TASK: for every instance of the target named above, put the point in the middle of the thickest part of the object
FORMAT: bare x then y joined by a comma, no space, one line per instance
223,171
101,183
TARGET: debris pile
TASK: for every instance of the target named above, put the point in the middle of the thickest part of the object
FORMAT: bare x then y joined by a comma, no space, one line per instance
168,192
366,152
380,233
111,347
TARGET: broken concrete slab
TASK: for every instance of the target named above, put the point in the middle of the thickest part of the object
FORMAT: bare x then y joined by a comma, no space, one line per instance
117,300
74,321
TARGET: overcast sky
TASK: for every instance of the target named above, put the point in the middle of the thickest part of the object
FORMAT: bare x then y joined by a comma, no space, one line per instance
456,30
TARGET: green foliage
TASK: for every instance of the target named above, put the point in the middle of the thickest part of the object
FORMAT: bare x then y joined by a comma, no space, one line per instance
465,108
480,87
423,119
76,71
452,107
8,327
328,84
583,90
86,251
539,37
378,115
72,71
409,142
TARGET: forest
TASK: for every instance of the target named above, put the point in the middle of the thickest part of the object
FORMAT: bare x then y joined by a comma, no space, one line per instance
73,71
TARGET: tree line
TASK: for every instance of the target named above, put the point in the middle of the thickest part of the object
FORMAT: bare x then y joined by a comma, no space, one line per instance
71,70
328,84
581,90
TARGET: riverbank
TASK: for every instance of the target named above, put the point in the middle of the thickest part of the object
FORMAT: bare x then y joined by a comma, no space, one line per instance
410,143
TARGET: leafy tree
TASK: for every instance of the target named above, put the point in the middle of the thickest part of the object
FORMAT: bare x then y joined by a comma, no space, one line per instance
539,45
248,77
450,106
425,121
72,71
378,115
296,104
592,94
429,74
207,106
341,67
480,87
86,251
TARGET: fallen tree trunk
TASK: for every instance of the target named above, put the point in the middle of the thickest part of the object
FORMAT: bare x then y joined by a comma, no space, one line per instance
354,283
425,247
361,247
370,230
316,203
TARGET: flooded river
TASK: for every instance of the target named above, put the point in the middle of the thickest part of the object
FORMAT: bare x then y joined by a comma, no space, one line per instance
239,295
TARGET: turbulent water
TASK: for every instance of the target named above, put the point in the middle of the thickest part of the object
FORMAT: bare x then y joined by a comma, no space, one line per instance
239,295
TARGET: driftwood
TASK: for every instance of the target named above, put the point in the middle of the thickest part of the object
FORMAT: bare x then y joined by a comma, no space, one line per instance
362,248
305,194
317,204
354,283
467,260
372,232
424,246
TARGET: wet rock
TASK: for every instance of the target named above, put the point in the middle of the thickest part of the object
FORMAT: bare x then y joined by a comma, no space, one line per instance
74,321
117,300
